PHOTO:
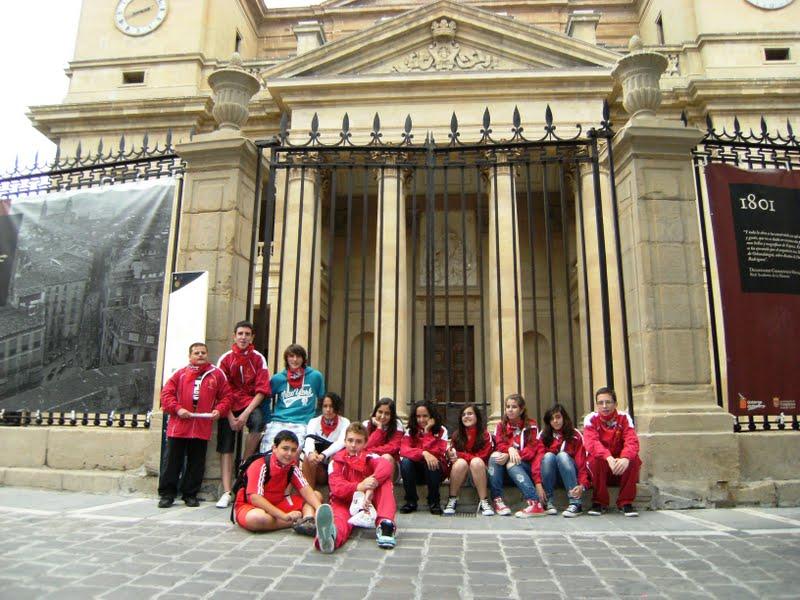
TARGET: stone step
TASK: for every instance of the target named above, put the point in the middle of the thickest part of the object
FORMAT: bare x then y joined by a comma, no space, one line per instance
76,480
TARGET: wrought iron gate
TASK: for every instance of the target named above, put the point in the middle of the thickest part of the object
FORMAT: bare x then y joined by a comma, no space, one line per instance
327,199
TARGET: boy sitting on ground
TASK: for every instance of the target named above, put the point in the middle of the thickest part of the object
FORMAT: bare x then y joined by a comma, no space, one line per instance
354,470
263,505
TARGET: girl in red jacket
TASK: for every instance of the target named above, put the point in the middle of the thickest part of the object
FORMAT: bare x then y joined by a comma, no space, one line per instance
422,455
384,431
193,397
517,447
353,470
563,459
469,452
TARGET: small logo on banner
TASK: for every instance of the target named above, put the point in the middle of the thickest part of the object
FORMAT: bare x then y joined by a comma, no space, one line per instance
750,405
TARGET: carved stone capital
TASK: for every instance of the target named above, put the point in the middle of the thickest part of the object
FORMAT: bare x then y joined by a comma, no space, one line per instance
639,73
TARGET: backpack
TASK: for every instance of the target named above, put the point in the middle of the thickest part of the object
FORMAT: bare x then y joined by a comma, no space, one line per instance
241,476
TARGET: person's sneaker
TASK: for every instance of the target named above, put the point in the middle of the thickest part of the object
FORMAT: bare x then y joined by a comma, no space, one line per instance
191,501
166,502
551,508
573,510
408,507
306,526
629,511
326,529
385,534
596,510
224,500
436,509
450,507
500,508
485,508
534,509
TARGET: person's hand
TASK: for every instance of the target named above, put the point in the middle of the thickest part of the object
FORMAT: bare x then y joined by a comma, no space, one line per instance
429,425
293,516
622,465
183,413
368,500
513,457
612,463
541,492
452,454
232,421
241,420
375,423
214,414
576,492
500,458
314,458
370,483
430,460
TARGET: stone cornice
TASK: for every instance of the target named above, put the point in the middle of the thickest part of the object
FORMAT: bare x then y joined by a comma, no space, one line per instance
400,87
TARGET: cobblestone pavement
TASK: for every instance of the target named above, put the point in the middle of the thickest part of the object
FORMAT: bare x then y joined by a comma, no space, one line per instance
69,545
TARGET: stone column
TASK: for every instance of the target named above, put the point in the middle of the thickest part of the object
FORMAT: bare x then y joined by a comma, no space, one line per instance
295,307
687,440
392,321
505,342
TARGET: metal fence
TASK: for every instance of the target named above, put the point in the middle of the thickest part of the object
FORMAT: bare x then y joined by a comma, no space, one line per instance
448,222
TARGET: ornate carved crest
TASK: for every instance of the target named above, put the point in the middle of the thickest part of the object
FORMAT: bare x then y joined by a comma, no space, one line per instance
445,54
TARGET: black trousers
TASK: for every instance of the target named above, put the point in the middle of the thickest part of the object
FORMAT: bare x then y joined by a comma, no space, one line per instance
412,472
194,451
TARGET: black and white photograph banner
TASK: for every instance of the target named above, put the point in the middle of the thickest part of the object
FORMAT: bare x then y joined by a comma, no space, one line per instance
81,309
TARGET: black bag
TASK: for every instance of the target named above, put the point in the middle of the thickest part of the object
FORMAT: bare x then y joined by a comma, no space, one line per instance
241,476
320,443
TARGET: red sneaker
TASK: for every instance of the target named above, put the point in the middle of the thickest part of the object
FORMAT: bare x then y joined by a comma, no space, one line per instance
534,509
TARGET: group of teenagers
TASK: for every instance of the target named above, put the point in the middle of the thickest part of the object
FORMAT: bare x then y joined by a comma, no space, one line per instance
298,439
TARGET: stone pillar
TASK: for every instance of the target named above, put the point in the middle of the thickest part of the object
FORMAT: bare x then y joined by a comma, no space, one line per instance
687,440
295,308
392,321
582,25
505,342
310,35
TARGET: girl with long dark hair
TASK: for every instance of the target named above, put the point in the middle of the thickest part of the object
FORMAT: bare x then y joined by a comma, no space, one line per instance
468,453
422,455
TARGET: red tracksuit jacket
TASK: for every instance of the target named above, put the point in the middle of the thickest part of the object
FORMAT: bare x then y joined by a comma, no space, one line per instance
378,444
467,454
178,392
573,447
247,375
613,437
525,439
348,471
412,447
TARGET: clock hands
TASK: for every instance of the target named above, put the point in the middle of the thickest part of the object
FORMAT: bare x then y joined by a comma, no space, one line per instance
140,11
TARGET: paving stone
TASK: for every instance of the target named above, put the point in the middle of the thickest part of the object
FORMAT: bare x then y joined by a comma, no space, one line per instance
294,584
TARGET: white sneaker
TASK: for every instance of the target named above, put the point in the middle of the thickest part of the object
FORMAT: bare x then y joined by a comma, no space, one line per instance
224,500
450,508
551,508
485,508
573,510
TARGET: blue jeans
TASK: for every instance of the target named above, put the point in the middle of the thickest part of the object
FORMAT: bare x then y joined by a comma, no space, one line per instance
559,467
519,474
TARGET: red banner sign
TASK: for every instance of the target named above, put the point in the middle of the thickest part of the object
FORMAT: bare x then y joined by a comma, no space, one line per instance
755,216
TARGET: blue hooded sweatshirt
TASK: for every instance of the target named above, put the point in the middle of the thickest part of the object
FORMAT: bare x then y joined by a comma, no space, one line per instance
295,405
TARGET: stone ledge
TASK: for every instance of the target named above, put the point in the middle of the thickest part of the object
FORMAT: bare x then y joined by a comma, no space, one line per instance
92,481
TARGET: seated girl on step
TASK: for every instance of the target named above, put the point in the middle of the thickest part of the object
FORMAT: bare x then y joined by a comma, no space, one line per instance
385,431
468,454
422,456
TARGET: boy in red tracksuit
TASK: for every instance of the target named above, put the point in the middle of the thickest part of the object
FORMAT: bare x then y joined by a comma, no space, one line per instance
193,397
613,448
354,470
248,375
264,504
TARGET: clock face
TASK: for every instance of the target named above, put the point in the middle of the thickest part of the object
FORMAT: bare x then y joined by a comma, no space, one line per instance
770,4
139,17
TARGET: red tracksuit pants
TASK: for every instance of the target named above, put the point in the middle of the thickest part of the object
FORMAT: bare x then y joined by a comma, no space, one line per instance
382,500
602,478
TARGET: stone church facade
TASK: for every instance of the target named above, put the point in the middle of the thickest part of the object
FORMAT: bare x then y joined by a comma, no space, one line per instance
487,277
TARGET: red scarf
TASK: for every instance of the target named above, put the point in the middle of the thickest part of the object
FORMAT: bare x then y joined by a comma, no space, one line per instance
240,358
327,429
295,377
472,436
357,463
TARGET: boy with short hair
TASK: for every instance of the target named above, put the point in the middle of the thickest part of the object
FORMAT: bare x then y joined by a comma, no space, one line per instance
248,375
264,505
297,390
354,470
193,397
613,453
